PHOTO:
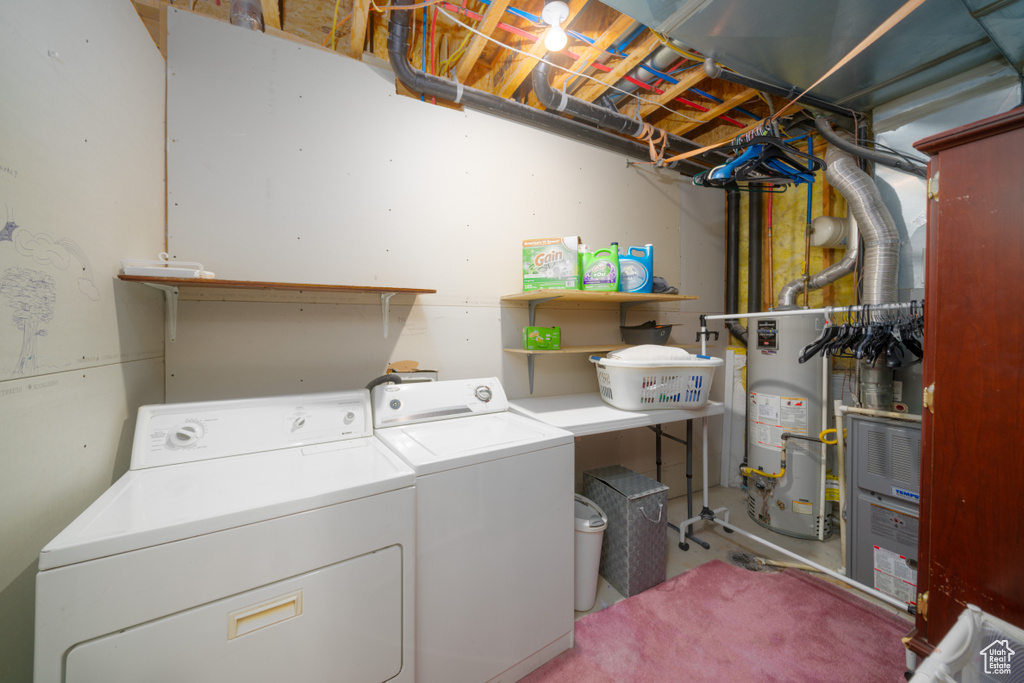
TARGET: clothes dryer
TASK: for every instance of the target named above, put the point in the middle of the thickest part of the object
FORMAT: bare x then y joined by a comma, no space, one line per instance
494,528
263,539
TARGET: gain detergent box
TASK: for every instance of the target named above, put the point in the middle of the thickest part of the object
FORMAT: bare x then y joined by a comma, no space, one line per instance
551,263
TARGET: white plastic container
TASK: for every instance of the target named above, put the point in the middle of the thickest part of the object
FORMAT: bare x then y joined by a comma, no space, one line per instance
591,522
656,384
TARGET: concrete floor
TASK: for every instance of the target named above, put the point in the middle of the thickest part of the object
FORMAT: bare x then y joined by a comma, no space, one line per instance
825,553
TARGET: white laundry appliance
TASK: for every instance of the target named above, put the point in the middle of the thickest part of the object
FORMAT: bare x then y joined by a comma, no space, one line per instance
494,529
264,539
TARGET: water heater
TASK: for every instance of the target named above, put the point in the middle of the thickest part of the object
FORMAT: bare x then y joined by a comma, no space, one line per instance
786,396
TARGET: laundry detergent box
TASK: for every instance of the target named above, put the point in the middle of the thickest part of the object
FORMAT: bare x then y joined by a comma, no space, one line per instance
542,338
551,263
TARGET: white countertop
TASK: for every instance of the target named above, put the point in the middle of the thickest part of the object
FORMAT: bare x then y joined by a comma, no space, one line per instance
584,414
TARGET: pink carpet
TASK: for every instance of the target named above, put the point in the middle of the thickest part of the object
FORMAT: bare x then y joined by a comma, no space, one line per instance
722,623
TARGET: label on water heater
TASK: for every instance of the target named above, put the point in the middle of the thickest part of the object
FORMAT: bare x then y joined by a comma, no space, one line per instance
767,335
771,415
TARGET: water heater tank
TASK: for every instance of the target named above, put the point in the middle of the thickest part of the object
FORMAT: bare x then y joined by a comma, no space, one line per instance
784,395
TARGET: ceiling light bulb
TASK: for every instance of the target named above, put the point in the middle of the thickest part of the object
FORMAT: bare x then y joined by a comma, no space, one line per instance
555,13
556,39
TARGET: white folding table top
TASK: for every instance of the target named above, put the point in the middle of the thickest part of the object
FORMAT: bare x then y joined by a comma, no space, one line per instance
584,414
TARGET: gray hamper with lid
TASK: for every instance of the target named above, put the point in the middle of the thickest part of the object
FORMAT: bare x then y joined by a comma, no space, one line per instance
634,552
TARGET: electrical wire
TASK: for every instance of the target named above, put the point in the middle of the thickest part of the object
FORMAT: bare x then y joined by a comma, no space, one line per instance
333,35
419,5
562,68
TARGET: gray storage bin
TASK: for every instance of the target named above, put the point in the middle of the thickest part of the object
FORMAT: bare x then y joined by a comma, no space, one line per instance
633,555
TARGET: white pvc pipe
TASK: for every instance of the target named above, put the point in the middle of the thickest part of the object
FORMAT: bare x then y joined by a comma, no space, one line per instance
815,311
881,413
826,377
841,468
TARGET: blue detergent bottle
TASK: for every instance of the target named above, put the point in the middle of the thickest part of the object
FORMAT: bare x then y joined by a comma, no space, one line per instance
636,269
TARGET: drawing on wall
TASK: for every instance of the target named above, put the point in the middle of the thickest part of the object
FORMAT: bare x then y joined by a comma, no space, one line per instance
32,293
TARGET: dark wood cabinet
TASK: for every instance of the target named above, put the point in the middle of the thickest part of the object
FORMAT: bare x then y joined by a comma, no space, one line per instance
971,547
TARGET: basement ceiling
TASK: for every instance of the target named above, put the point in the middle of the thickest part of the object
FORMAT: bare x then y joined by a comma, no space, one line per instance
783,43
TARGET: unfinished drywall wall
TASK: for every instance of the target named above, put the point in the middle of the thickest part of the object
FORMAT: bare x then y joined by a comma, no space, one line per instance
81,184
289,163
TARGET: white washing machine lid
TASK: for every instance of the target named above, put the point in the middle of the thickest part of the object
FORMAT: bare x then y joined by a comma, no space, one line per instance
164,504
446,444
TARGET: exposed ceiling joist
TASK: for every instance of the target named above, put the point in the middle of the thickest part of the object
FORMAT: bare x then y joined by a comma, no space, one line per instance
591,90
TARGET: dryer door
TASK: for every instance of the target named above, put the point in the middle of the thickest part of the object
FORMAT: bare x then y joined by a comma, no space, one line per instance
339,623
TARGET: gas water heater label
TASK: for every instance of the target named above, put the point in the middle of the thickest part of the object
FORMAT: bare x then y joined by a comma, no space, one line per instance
771,415
767,335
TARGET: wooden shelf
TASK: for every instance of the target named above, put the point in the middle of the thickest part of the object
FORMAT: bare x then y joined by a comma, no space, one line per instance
204,283
595,297
623,299
251,290
597,348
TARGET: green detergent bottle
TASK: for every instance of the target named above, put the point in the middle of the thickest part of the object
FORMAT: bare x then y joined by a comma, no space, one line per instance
600,271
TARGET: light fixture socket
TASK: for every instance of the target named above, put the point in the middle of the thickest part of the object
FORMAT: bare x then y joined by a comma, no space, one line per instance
555,12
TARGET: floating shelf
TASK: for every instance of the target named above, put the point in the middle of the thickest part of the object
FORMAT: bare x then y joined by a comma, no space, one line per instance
202,288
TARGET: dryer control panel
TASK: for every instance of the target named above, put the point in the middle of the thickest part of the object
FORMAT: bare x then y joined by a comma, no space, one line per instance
186,432
395,404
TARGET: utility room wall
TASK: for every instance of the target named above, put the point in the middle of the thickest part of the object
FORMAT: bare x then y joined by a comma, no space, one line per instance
82,187
288,163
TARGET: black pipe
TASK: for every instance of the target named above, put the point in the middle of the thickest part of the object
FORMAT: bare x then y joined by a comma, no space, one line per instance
434,86
732,263
715,71
610,120
756,218
879,157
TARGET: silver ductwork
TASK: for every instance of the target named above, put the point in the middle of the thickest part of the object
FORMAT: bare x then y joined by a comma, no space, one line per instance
881,239
872,219
789,292
881,261
247,14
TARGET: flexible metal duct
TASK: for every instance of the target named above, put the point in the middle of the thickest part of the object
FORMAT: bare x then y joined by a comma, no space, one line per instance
881,261
881,239
434,86
247,13
789,293
869,215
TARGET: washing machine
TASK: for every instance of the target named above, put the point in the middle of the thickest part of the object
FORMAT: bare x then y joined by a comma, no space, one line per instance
494,528
263,539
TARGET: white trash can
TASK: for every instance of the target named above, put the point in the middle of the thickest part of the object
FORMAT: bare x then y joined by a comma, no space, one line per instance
591,522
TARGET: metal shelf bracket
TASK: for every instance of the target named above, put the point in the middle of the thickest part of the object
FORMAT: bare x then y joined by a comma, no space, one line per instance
170,307
385,304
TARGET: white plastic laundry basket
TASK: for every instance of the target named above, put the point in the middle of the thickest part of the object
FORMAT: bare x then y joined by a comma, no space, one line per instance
656,384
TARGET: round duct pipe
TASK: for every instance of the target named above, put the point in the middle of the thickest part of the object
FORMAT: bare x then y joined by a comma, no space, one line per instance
247,14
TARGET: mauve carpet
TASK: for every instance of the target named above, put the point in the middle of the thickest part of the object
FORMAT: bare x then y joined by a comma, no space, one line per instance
722,623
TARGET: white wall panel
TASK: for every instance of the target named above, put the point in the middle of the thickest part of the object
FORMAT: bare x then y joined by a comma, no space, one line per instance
81,188
293,164
288,163
71,145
